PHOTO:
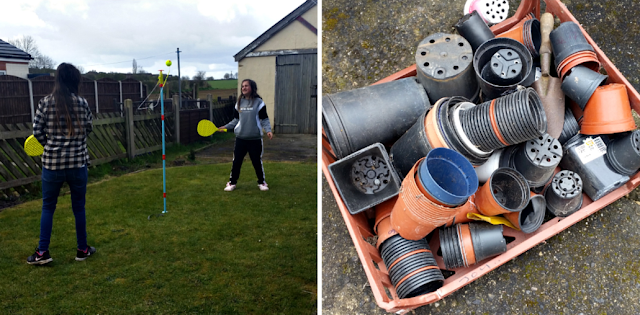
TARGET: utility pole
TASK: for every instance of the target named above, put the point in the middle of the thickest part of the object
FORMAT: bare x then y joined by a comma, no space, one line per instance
179,78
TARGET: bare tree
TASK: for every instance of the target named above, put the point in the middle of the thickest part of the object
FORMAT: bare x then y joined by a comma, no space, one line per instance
185,78
199,75
226,76
236,76
28,45
81,69
134,67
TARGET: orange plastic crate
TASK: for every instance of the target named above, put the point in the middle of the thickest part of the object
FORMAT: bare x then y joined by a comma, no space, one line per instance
360,230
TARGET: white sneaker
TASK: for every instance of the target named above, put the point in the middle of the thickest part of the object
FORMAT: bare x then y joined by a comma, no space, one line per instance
229,187
263,186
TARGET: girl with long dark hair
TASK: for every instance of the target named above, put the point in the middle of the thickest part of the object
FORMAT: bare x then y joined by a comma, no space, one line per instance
62,123
249,119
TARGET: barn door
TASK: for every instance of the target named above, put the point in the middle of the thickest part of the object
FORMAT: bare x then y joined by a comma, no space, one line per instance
296,99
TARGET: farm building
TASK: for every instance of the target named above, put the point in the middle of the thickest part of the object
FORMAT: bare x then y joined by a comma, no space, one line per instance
283,62
13,61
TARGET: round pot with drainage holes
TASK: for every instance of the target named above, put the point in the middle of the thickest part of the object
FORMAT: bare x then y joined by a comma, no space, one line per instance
474,29
531,217
506,191
487,51
585,156
624,153
564,194
580,83
537,159
444,66
491,11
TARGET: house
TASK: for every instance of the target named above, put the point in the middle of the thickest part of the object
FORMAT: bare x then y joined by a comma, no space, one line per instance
283,61
13,61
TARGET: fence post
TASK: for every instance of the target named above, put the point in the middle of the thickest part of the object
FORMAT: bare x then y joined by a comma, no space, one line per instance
95,85
176,117
210,100
120,85
31,100
131,138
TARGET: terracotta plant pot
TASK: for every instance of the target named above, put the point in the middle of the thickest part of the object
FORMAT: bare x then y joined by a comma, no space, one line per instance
414,215
383,210
608,111
505,191
431,124
385,231
584,58
527,32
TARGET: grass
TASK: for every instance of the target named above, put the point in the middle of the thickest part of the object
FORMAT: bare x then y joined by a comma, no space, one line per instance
222,84
245,252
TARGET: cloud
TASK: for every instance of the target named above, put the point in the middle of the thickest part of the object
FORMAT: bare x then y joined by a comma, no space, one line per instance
108,35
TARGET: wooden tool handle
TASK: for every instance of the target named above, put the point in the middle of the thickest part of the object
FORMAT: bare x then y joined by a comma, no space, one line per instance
546,26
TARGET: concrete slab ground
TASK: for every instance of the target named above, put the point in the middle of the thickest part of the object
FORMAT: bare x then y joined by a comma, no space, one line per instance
590,268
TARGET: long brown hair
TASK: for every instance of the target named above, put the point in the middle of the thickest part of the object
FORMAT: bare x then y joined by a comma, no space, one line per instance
254,92
67,81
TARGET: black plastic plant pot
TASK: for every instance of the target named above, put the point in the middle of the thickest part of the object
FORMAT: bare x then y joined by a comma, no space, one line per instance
450,246
566,40
585,156
474,29
505,121
381,113
365,178
570,127
580,83
624,153
487,240
450,125
410,148
424,282
519,58
444,66
564,194
532,216
537,159
397,246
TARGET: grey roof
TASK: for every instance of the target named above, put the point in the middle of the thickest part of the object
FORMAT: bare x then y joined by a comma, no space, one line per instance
12,52
276,28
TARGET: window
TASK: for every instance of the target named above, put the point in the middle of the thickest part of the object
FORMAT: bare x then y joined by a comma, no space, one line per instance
3,72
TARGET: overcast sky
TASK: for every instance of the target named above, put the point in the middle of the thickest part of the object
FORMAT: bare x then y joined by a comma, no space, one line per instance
107,35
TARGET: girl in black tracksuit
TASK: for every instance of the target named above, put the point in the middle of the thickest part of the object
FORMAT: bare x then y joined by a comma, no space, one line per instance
250,118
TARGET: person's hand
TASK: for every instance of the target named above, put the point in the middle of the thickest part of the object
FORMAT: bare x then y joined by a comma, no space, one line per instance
270,135
223,129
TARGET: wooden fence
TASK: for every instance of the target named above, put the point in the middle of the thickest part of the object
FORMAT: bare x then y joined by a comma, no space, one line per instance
19,97
113,137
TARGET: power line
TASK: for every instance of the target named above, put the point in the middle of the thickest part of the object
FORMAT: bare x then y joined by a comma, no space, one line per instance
113,63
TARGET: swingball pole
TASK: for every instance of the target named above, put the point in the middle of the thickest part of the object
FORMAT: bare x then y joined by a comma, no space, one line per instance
164,165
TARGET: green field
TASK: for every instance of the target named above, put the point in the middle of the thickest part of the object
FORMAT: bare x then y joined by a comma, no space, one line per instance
244,252
223,84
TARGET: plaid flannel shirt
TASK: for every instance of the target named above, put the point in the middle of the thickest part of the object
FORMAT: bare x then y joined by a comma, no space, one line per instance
62,151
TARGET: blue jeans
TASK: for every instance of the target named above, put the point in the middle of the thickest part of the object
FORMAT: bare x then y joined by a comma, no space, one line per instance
51,183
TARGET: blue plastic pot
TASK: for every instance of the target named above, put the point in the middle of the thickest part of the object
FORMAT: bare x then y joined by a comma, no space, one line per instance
448,176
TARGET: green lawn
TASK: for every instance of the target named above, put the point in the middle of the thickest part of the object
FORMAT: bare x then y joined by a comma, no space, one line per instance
223,84
244,252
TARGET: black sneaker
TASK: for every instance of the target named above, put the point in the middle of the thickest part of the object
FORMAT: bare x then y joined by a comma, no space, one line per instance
82,255
37,259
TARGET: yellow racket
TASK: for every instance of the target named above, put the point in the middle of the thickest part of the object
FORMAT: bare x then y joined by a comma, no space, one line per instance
33,147
207,128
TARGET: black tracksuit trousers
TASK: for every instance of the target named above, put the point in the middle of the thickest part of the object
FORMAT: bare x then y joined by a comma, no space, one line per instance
242,147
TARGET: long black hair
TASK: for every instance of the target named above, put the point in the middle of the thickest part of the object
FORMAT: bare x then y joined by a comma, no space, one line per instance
67,81
254,92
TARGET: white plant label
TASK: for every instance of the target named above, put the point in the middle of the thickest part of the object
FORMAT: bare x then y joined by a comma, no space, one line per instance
591,149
